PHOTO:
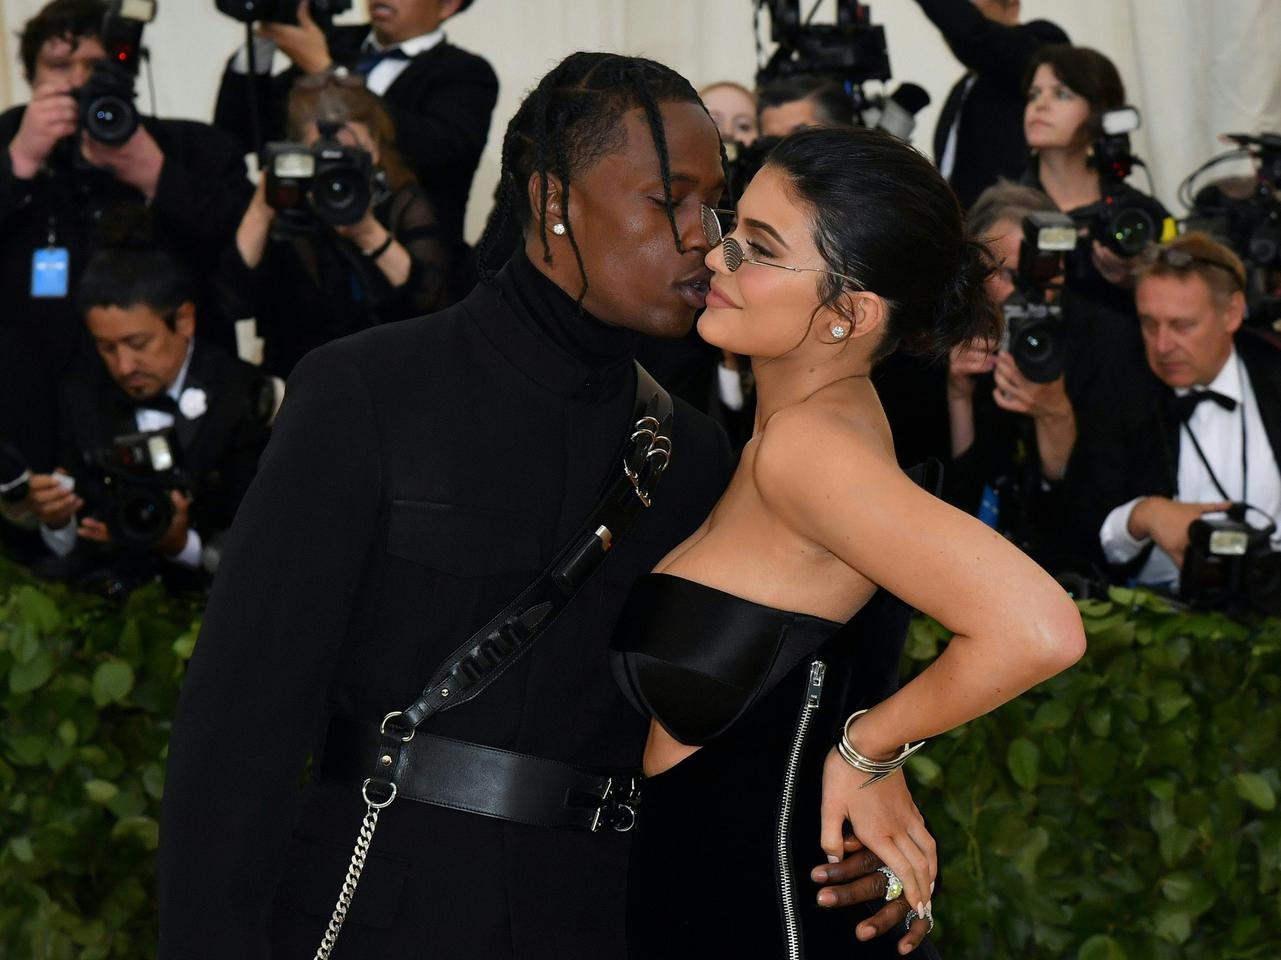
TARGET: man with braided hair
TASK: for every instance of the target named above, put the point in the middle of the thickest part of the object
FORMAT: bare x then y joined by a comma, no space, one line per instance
419,476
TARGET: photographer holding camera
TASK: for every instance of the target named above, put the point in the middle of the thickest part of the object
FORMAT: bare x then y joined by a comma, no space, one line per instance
78,160
1071,94
353,245
1013,407
1200,431
161,434
979,137
440,97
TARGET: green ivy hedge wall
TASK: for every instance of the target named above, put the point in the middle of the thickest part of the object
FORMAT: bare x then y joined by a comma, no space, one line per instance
1127,809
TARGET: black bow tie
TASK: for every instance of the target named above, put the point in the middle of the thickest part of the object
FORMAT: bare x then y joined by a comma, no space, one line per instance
1186,405
371,58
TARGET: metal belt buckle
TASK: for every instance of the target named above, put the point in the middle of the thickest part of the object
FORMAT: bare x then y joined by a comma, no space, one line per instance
650,454
617,809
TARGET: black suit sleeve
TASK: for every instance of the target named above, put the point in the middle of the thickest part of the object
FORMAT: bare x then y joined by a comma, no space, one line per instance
448,124
254,694
988,48
203,187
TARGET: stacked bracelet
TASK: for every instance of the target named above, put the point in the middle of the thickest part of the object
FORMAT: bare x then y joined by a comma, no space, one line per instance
880,769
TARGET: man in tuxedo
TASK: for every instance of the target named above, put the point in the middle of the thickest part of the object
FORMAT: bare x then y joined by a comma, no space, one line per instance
440,97
979,137
1202,431
62,193
153,377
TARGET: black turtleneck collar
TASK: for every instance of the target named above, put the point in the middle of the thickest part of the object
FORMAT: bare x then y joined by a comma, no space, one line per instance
557,343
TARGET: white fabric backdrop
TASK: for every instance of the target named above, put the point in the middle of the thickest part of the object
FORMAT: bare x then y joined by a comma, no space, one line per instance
1195,68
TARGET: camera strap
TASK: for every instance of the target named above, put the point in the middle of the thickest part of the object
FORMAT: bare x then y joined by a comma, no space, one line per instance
1245,460
399,760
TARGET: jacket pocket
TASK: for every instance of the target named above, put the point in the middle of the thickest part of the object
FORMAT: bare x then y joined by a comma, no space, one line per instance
463,541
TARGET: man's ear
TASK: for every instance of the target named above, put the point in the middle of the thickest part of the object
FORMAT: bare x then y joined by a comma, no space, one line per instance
554,193
448,8
1234,315
184,321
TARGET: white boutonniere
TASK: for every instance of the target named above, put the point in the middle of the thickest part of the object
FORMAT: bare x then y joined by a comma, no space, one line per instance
193,403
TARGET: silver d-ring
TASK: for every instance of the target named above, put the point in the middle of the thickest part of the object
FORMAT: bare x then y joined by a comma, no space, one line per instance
364,792
382,727
631,819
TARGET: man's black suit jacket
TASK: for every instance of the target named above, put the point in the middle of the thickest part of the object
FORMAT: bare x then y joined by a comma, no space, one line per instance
990,142
1130,439
441,104
420,475
201,195
220,448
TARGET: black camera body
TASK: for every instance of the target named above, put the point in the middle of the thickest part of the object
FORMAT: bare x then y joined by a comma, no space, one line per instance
280,11
106,102
1230,564
1125,221
138,473
1033,332
850,51
328,182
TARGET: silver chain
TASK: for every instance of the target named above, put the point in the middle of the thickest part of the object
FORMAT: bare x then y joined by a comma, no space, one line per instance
363,840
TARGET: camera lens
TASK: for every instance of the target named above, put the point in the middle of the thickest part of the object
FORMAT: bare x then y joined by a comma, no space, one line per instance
143,516
1036,352
110,119
1131,231
340,196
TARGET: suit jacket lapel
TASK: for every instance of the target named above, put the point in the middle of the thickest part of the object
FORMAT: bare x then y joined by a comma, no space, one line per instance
1263,363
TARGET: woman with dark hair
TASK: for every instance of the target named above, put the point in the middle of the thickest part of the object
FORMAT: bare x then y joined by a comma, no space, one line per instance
306,282
766,647
1069,90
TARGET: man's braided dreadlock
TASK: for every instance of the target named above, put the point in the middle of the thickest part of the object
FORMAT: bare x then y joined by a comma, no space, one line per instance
568,122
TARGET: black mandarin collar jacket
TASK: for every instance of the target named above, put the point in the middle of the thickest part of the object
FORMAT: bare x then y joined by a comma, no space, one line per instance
420,474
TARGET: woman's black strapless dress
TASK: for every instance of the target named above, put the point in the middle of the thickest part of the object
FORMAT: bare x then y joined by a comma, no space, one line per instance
726,839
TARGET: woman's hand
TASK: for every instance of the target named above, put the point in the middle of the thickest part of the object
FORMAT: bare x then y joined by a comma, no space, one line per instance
1115,269
255,225
968,362
885,819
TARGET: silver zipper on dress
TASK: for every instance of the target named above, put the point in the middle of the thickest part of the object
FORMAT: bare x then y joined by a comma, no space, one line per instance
786,883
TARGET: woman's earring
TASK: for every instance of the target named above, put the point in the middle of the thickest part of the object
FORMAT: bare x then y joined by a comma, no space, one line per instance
839,331
558,229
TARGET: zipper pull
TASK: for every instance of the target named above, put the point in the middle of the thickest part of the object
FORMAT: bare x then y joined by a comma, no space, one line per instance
818,670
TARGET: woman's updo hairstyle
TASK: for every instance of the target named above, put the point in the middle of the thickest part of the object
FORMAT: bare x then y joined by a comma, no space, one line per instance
1086,72
883,215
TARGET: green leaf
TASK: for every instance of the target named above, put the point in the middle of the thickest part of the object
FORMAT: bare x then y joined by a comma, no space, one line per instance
68,733
1023,758
184,645
1254,788
924,770
1052,715
112,682
37,610
145,829
1172,923
21,849
25,677
100,791
1100,947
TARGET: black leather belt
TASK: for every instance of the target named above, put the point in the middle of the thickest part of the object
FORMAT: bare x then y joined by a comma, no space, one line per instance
478,779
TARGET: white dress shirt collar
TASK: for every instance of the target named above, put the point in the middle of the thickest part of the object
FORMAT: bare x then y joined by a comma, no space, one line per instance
412,47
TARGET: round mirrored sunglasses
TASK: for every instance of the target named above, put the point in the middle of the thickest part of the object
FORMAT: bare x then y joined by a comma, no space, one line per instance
717,223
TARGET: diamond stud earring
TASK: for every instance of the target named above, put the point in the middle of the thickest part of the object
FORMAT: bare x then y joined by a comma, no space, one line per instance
558,229
839,332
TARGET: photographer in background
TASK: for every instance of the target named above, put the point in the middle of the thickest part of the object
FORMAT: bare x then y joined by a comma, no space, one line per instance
440,97
62,190
979,137
150,375
307,281
733,110
1201,429
794,103
1070,89
1014,432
